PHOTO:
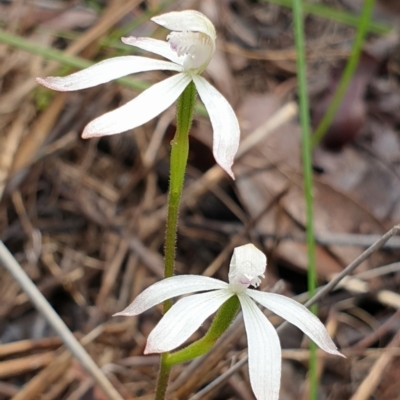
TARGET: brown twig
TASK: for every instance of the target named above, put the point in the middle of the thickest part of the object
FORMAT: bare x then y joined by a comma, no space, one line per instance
40,302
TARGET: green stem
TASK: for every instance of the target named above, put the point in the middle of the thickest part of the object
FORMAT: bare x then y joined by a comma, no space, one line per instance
163,378
347,75
179,156
220,324
307,168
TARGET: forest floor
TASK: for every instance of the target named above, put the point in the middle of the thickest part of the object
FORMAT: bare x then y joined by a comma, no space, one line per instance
86,218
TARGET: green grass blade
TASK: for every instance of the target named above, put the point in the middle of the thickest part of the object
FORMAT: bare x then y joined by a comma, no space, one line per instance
333,14
59,56
307,170
347,75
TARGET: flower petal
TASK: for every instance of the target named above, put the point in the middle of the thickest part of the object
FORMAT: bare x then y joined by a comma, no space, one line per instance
187,20
140,110
183,319
264,351
106,71
168,288
224,122
298,315
155,46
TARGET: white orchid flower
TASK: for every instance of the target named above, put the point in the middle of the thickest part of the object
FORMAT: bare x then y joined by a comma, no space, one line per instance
189,48
185,317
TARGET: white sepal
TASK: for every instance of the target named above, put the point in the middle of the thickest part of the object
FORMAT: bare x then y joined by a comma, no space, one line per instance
183,319
187,20
140,110
264,351
224,122
298,315
106,71
168,288
159,47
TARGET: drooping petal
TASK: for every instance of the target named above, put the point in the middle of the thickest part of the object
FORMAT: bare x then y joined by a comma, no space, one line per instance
264,351
224,122
106,71
155,46
168,288
140,110
187,20
247,266
183,319
298,315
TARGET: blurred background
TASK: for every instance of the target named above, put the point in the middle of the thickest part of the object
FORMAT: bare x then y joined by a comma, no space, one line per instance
86,218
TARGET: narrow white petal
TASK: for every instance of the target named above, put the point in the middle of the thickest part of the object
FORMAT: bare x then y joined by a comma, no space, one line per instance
155,46
168,288
224,122
183,319
140,110
298,315
106,71
264,351
187,20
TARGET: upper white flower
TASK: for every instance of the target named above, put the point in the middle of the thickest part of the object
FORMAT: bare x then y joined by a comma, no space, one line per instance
190,47
185,317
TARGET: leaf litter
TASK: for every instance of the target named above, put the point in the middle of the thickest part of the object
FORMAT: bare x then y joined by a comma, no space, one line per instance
86,218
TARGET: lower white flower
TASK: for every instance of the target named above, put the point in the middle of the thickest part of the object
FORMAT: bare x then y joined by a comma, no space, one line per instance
185,317
189,48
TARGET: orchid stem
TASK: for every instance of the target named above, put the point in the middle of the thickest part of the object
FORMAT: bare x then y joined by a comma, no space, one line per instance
220,324
179,156
162,381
